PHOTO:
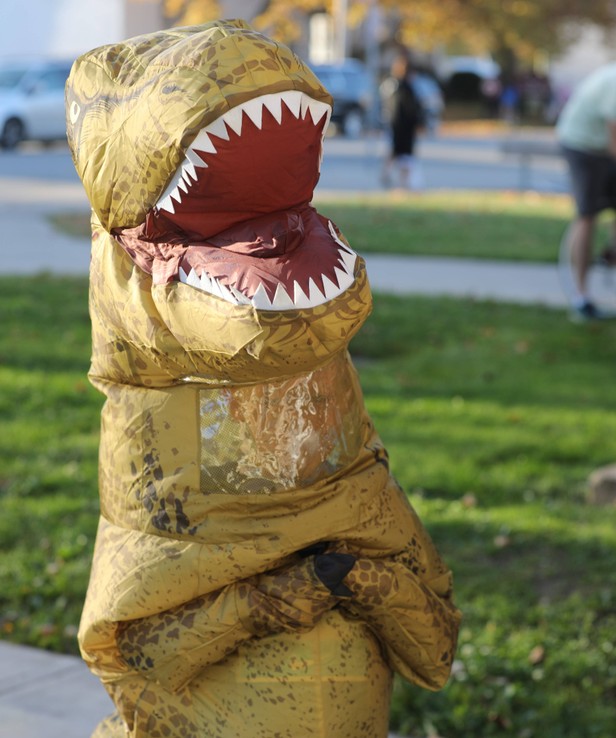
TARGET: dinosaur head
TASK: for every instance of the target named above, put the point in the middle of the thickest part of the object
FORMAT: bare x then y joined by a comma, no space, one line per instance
200,149
218,109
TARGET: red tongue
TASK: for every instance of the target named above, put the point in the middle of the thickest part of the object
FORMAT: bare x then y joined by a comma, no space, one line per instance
281,248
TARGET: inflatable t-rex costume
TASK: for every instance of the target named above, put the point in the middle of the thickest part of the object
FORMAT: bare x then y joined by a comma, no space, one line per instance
257,572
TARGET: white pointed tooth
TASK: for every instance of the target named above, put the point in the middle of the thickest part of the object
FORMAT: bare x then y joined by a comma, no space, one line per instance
348,260
345,280
195,159
300,298
166,204
215,287
330,289
260,299
193,279
317,110
273,104
338,240
183,275
206,282
293,100
218,128
203,143
176,195
225,293
305,105
188,170
172,185
281,300
314,294
239,296
254,110
233,119
182,185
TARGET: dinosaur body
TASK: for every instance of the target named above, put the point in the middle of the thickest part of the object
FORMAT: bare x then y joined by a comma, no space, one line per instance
253,548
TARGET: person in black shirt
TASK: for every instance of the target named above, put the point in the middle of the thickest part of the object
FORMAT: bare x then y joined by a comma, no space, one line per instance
405,119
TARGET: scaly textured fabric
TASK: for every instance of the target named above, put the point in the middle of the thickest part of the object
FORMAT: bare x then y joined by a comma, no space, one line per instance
257,571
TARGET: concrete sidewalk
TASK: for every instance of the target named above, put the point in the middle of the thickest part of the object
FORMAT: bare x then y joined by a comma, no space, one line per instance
45,695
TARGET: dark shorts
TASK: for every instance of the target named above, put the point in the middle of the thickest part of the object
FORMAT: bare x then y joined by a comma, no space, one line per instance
402,141
593,180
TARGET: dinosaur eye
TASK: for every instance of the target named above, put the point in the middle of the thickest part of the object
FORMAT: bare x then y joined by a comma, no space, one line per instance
74,112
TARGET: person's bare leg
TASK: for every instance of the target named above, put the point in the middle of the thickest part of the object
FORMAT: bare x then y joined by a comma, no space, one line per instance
581,244
386,171
404,172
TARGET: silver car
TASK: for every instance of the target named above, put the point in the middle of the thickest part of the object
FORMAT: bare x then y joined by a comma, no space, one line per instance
32,101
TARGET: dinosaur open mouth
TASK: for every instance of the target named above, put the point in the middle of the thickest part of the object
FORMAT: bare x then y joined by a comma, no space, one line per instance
235,219
268,148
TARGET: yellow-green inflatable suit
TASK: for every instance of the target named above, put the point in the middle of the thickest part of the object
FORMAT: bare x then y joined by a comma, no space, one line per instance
258,573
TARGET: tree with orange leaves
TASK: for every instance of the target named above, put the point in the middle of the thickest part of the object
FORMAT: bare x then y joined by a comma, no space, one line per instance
518,27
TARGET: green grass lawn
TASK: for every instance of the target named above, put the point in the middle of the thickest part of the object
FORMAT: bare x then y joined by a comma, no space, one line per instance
493,415
518,226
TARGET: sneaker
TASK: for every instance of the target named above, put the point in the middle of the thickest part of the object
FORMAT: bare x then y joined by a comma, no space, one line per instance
584,312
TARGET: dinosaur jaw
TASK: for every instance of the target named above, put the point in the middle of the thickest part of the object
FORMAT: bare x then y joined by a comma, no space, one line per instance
249,141
318,270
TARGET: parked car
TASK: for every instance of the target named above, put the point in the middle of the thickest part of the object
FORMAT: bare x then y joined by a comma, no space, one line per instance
465,78
32,101
350,84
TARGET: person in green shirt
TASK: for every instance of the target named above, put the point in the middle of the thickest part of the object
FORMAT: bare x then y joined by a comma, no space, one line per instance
586,130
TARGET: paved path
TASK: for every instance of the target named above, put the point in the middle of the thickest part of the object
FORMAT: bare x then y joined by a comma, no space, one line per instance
44,695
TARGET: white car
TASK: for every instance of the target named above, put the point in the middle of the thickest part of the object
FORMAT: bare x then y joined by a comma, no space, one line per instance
32,101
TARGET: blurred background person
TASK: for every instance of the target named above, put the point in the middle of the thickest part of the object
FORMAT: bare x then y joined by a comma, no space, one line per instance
431,98
491,90
586,130
405,116
510,99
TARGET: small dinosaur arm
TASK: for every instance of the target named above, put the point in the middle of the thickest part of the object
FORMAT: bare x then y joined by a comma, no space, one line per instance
234,435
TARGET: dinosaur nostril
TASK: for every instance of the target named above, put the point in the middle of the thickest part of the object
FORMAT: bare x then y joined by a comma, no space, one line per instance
74,111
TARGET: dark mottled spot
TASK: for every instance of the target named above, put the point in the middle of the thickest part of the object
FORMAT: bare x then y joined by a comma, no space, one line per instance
161,520
182,521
